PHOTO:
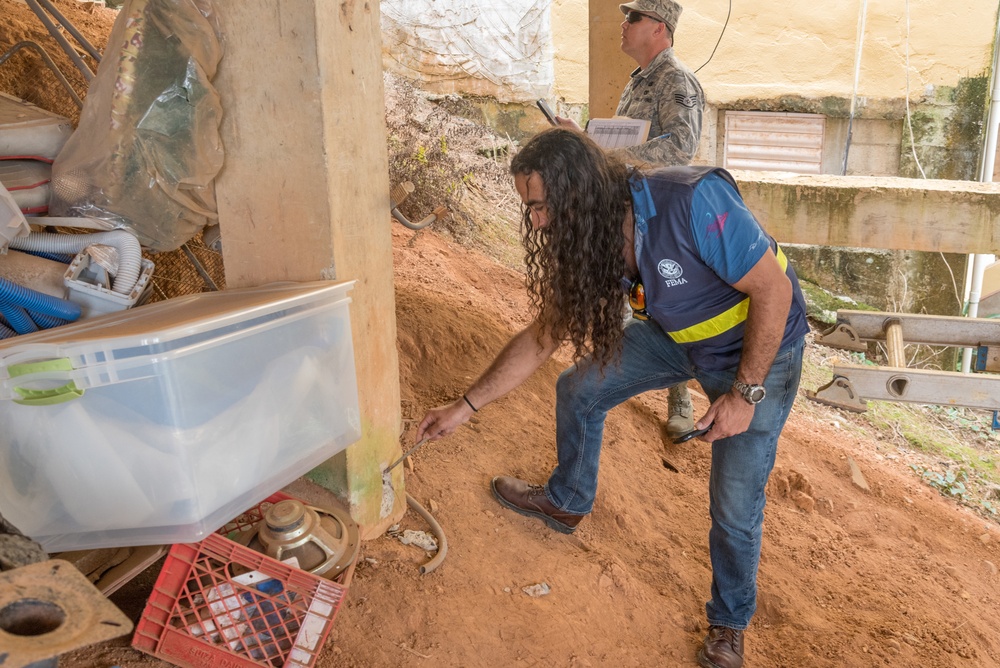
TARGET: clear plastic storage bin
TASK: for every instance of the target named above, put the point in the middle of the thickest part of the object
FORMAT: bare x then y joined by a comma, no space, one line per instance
158,424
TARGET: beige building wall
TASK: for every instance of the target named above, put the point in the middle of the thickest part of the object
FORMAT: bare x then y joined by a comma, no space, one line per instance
569,49
802,57
773,47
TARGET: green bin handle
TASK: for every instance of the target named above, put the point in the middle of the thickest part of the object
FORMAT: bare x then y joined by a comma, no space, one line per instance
56,395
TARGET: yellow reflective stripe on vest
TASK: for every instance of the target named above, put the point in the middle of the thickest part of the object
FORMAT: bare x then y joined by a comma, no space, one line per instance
722,322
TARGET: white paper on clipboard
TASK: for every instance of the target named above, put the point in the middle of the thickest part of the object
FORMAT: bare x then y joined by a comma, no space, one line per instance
618,132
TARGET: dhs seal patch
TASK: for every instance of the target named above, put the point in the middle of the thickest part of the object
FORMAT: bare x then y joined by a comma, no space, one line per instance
671,271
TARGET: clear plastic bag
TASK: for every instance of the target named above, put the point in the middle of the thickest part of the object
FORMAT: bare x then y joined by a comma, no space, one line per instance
147,149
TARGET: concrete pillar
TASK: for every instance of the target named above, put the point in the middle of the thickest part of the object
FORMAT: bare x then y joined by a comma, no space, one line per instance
304,196
609,67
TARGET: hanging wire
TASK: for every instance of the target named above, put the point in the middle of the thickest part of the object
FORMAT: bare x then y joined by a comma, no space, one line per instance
718,41
909,122
860,40
913,149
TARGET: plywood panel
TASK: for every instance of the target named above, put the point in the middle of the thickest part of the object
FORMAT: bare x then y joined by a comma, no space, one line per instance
609,67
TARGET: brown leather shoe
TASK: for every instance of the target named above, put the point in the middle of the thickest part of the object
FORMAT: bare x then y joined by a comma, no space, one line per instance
723,648
530,500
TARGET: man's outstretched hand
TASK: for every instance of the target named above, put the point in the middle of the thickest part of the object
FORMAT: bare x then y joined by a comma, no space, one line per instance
443,420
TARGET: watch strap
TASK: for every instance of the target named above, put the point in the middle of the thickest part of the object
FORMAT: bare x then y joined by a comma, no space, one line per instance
747,391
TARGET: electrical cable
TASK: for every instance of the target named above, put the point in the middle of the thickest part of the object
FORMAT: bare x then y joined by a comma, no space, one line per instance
18,318
18,295
45,321
718,41
909,122
860,40
913,147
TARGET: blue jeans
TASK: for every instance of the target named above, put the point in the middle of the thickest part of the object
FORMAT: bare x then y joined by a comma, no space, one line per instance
741,464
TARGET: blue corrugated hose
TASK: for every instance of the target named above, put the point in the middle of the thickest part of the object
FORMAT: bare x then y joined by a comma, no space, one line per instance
15,298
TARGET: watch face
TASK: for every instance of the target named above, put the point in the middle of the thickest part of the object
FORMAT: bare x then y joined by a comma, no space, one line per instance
752,394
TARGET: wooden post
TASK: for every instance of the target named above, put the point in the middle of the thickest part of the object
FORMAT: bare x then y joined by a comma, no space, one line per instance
609,67
894,345
304,194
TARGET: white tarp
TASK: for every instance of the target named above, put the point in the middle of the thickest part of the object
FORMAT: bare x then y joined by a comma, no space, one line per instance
501,49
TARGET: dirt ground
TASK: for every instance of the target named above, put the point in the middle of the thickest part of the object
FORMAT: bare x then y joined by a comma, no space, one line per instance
25,74
896,575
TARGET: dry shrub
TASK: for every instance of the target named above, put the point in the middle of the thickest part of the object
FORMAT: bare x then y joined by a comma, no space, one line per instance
451,161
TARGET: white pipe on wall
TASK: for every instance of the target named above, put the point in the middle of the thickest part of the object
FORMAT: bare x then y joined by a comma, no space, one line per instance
980,261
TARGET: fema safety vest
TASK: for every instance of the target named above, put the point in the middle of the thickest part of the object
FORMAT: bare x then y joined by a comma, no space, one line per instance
694,305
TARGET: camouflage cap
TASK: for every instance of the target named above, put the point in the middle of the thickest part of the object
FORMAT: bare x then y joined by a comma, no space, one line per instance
666,10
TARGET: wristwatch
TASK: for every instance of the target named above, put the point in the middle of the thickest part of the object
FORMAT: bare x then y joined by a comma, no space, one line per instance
752,394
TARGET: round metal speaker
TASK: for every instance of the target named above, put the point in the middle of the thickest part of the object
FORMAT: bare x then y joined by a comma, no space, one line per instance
325,542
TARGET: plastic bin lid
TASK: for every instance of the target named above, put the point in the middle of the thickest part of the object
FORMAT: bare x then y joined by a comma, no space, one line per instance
183,316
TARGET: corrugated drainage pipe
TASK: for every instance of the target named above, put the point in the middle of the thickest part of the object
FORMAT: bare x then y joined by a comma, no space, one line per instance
6,332
18,318
18,295
436,530
129,251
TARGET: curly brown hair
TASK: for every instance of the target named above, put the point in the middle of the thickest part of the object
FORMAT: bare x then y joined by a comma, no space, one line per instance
575,263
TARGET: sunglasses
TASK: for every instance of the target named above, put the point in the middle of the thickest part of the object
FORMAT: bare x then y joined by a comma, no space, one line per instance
635,17
637,300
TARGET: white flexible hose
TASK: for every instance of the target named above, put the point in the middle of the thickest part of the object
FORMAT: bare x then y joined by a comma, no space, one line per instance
129,251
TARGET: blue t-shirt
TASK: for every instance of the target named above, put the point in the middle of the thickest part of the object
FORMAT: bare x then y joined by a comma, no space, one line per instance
695,238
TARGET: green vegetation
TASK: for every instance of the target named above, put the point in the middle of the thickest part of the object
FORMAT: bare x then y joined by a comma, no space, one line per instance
956,449
822,305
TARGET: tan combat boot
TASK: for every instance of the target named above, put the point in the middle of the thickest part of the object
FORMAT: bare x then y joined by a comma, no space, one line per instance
679,411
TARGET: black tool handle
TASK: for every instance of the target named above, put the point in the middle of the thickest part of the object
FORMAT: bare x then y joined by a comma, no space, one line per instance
684,438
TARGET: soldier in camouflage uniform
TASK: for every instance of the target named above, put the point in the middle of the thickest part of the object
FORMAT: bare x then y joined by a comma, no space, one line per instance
665,92
662,89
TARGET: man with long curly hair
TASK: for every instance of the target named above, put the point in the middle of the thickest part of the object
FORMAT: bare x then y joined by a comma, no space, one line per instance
665,92
714,300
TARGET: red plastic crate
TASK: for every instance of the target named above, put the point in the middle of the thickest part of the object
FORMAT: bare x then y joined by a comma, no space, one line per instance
217,604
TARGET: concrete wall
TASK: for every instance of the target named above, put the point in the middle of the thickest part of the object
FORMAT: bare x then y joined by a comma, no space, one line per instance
571,54
778,56
772,48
